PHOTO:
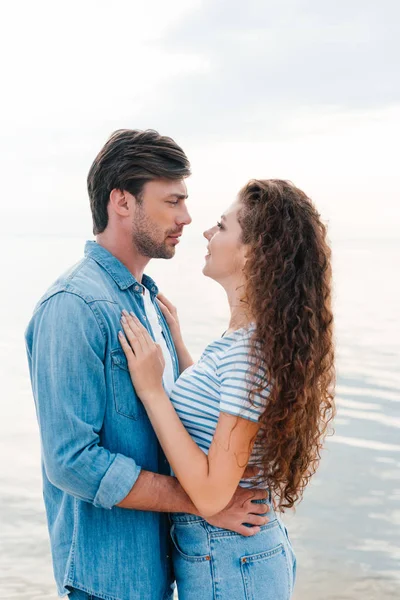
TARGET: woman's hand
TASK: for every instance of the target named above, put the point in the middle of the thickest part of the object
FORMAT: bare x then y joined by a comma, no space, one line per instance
171,316
145,358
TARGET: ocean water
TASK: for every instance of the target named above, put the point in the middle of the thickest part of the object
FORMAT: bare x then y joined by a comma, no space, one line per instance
346,531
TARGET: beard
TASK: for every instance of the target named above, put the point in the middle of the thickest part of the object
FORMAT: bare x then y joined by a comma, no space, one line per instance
149,239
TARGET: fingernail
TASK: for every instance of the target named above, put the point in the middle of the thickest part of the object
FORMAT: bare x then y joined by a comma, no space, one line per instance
125,312
123,320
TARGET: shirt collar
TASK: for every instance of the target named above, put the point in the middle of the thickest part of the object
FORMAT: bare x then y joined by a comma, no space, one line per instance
114,267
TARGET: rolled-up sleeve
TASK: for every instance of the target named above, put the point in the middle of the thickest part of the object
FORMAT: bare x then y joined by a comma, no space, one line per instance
115,484
66,353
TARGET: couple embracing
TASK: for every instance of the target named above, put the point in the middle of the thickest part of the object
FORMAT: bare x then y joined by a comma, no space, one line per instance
157,468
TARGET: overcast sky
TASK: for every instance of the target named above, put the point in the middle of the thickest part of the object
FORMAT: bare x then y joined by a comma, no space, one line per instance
305,90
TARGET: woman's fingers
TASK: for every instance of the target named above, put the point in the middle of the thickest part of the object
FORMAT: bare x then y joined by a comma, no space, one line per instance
165,311
160,355
136,328
135,341
140,330
130,356
137,331
166,302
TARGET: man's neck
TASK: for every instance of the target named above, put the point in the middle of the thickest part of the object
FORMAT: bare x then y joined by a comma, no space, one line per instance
126,253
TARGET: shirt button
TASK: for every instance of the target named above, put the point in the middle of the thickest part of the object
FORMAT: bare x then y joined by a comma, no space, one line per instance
137,288
153,289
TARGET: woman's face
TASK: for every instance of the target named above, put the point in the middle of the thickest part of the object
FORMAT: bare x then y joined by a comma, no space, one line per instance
226,252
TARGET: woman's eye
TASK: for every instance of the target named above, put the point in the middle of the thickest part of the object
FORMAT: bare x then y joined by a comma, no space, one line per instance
219,225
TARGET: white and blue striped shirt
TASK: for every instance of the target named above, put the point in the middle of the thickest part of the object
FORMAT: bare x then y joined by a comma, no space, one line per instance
218,382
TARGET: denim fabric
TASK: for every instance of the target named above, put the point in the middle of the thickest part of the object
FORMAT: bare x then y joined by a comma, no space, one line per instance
215,564
79,595
95,434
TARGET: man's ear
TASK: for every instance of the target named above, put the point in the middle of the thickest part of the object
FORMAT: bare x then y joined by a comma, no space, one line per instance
121,202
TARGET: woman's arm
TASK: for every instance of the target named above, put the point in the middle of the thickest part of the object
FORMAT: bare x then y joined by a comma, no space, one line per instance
184,357
171,316
210,481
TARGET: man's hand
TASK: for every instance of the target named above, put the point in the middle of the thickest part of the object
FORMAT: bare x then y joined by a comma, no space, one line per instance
241,510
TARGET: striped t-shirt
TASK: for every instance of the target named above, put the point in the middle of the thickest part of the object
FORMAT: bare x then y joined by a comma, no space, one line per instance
218,382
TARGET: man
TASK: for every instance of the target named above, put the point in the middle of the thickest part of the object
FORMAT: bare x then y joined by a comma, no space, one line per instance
107,484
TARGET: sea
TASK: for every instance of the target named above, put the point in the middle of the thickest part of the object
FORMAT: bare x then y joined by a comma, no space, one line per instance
346,530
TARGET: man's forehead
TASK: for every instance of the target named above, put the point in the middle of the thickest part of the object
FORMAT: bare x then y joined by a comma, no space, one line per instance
179,188
168,187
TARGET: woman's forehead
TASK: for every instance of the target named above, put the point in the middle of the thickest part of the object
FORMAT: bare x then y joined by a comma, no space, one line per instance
231,212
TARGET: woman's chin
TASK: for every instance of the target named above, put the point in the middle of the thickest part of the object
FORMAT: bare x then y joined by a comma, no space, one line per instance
206,271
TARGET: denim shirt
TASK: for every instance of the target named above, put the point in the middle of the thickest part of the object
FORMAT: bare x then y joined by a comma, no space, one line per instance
95,433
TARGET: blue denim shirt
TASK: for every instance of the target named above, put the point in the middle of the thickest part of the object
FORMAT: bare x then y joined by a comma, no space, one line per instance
95,434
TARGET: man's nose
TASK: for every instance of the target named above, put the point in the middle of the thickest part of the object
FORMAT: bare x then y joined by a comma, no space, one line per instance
184,217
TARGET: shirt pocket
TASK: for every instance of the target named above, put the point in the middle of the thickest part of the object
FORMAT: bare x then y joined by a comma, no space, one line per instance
127,403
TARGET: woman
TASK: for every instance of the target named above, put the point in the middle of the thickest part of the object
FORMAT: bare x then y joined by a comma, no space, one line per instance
260,395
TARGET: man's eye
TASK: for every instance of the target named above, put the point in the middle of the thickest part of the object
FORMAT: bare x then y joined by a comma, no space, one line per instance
172,202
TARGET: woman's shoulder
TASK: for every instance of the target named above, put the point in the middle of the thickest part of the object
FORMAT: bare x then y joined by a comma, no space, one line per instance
223,347
233,343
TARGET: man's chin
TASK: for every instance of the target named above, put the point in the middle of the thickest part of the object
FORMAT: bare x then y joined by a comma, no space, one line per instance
168,252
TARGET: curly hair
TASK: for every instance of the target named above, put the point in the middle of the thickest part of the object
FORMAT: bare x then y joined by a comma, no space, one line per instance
288,293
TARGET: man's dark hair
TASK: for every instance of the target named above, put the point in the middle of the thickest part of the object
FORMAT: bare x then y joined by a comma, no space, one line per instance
127,161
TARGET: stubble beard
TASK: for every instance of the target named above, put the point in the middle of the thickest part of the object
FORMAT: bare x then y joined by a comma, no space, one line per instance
149,239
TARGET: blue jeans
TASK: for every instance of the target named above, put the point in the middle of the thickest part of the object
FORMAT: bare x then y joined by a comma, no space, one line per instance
79,595
215,564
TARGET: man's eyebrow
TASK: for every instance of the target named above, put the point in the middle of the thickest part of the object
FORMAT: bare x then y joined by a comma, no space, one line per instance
179,196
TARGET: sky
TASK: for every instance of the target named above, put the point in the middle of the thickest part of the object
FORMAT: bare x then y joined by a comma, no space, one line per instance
304,90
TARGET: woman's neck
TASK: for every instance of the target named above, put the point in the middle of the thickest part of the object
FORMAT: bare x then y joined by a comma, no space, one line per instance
240,316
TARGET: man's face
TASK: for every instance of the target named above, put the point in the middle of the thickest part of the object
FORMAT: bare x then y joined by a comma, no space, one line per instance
160,217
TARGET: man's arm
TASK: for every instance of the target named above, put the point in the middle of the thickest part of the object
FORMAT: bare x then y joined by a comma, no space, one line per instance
66,350
161,493
158,493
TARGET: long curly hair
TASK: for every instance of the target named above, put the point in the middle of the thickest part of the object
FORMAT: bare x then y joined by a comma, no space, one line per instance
288,293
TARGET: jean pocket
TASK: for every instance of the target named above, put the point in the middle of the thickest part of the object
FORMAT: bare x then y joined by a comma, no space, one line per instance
190,542
266,575
286,534
292,552
127,403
